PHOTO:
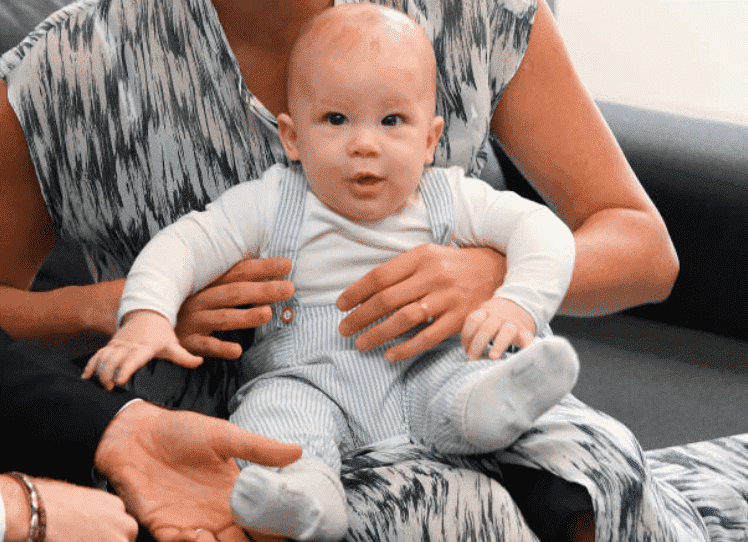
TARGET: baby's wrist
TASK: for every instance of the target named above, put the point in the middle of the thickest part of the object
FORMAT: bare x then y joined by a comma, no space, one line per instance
143,316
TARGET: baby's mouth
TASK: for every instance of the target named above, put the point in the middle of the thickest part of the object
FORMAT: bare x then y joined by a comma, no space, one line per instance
367,179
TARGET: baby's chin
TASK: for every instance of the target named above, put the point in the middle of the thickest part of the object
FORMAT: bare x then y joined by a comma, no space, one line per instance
374,213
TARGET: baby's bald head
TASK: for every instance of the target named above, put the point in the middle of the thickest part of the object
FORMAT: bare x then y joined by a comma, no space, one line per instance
367,31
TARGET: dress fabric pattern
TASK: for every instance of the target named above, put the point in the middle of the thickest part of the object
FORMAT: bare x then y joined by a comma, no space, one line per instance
136,113
113,94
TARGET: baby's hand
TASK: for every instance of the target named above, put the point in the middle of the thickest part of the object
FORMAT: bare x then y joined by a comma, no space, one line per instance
145,335
500,320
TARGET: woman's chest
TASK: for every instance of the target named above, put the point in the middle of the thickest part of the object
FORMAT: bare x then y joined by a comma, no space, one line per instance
265,76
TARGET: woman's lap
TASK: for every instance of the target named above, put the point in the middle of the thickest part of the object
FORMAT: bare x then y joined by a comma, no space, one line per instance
408,490
585,446
713,475
407,493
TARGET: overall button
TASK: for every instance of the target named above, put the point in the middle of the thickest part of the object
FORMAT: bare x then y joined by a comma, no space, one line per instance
287,315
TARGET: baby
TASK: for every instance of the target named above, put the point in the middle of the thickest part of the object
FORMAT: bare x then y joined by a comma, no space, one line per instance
361,133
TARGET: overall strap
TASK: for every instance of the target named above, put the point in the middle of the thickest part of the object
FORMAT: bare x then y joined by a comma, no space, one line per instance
289,215
284,237
437,195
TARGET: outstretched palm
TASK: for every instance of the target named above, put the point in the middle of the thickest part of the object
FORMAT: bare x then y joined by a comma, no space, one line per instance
175,470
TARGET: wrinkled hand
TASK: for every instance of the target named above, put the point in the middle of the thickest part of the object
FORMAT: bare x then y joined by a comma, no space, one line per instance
427,282
83,514
144,336
498,320
175,470
216,308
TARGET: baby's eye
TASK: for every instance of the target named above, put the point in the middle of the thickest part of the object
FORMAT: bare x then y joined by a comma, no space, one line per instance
392,120
336,119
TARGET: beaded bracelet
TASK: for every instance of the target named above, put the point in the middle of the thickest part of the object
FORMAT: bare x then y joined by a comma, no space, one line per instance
38,525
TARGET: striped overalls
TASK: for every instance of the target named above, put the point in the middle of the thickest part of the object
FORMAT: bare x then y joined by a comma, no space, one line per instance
311,386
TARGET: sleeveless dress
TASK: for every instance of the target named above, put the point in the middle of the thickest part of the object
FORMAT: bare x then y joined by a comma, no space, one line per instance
135,112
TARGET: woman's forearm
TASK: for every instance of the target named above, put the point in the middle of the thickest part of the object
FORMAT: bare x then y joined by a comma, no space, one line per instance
624,258
47,317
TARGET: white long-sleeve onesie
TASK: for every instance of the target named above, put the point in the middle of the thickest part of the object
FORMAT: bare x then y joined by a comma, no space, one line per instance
335,251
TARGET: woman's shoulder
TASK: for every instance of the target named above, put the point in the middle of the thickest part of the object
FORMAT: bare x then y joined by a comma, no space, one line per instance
74,17
470,15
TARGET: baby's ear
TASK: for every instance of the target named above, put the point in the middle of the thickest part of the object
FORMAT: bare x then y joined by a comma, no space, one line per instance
287,132
435,132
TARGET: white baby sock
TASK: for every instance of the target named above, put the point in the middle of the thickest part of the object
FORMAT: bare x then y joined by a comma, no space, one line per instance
495,410
304,501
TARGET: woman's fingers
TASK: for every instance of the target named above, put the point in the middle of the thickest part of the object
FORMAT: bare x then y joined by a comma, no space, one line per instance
237,294
379,279
402,320
225,319
251,281
450,281
224,305
402,297
428,337
256,270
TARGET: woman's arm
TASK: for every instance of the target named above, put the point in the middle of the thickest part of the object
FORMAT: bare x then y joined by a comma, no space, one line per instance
554,133
27,235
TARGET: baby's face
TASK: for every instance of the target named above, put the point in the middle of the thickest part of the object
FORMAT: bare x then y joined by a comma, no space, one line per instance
364,129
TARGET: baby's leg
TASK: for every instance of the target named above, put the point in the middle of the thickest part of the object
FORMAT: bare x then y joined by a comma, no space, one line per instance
304,500
474,407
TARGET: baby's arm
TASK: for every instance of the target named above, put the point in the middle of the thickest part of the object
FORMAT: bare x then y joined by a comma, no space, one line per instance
179,261
540,261
144,335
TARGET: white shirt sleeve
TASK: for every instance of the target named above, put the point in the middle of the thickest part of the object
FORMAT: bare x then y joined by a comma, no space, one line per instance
538,245
198,248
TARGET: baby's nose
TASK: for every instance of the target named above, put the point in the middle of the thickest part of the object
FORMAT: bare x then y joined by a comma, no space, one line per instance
364,143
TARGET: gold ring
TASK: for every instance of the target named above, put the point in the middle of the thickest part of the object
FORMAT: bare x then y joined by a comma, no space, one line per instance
429,318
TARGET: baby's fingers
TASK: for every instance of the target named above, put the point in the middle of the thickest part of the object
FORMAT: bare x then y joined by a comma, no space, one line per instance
107,366
491,329
472,324
507,334
180,356
90,369
137,359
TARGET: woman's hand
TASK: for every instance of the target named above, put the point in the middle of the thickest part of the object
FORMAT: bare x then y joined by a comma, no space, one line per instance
81,514
429,284
73,513
220,306
175,470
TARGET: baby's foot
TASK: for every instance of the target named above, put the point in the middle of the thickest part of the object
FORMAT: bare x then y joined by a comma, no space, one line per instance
505,402
303,501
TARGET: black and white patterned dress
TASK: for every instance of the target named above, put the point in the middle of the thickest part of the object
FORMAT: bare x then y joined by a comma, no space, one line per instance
135,113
